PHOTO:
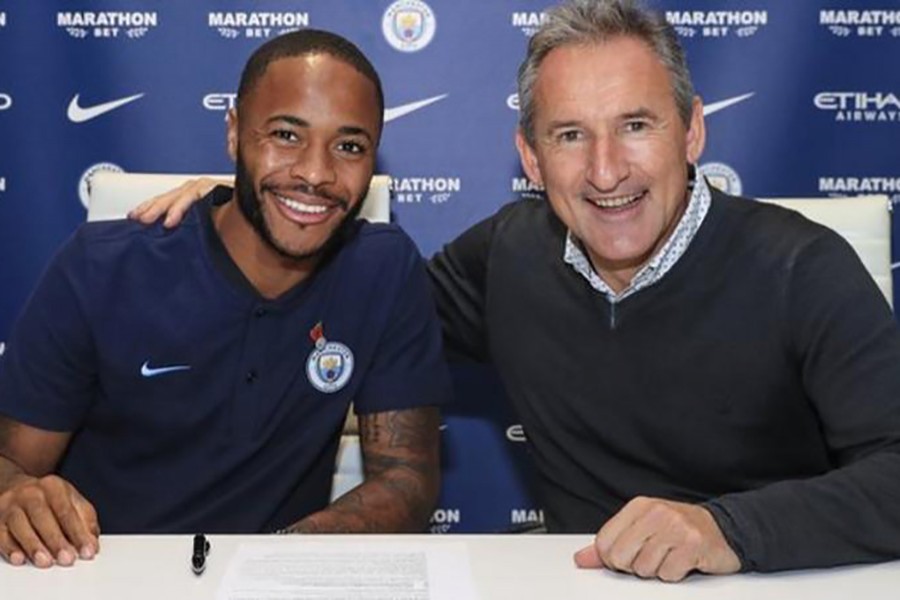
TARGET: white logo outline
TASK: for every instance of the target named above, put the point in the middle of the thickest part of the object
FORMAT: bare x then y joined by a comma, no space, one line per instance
404,109
344,359
723,104
148,371
82,114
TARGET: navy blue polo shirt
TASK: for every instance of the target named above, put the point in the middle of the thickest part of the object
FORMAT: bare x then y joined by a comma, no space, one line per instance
198,405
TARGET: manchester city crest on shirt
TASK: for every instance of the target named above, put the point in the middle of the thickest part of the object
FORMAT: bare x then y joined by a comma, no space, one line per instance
330,364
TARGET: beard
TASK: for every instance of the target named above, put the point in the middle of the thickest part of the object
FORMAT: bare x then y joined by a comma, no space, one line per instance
251,207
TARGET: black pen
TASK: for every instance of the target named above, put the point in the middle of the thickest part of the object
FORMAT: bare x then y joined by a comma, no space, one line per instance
201,549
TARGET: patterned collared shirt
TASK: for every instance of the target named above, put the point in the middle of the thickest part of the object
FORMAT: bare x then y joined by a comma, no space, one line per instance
661,262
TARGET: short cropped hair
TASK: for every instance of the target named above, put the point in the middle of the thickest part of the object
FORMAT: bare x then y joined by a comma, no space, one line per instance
582,22
304,42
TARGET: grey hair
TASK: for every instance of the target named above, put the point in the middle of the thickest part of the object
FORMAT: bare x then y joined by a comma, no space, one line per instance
582,22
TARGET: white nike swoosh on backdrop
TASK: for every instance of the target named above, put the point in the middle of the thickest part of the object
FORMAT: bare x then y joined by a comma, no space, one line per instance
81,114
404,109
148,371
717,106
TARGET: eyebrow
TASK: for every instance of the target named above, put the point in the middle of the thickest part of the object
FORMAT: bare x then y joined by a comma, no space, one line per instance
641,113
298,122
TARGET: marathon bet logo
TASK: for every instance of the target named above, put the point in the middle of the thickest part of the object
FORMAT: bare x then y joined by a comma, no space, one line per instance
861,23
527,188
443,519
528,22
860,186
418,190
860,107
107,24
526,516
260,25
717,23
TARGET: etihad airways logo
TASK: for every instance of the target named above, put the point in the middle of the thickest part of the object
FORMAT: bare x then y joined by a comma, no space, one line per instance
717,23
5,101
107,24
861,23
81,114
424,190
860,186
257,25
516,433
860,107
528,22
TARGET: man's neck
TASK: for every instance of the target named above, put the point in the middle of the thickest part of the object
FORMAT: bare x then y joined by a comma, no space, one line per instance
270,273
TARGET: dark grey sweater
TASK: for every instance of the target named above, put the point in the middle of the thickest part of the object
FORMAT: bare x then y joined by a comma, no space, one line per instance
760,376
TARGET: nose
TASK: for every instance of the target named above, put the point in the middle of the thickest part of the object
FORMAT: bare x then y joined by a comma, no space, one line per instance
314,165
607,164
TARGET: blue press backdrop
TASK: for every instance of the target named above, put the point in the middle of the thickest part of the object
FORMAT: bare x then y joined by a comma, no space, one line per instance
806,94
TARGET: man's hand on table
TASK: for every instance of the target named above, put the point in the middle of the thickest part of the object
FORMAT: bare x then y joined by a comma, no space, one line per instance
46,521
658,538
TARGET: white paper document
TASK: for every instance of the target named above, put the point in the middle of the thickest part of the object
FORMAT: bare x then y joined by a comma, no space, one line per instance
326,570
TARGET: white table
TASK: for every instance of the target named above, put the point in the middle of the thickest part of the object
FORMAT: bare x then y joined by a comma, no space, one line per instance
515,567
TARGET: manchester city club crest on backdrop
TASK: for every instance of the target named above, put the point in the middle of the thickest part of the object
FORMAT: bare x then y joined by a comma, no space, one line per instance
330,364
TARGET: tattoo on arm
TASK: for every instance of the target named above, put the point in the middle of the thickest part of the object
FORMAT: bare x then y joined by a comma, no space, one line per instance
401,461
8,467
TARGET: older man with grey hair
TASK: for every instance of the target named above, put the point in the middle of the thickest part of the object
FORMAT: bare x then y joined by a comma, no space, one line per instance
710,383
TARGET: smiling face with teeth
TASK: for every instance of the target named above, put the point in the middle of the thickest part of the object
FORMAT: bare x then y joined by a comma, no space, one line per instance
611,151
304,140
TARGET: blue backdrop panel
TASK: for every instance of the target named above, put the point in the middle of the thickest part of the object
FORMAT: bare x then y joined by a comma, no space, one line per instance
803,100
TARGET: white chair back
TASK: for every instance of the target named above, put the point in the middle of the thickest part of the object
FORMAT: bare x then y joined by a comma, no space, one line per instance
864,221
113,194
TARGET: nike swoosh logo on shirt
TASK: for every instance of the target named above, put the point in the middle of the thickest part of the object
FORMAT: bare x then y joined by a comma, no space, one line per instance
81,114
404,109
148,371
717,106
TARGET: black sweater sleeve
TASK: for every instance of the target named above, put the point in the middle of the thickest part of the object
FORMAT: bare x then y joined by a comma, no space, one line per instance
846,343
459,274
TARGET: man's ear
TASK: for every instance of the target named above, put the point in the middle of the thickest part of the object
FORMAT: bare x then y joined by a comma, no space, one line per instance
232,133
696,133
528,158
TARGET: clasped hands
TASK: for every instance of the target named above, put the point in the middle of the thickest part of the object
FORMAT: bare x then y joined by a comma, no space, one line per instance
651,537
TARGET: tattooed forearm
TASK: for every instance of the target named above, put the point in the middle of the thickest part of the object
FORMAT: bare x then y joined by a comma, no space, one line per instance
401,459
8,468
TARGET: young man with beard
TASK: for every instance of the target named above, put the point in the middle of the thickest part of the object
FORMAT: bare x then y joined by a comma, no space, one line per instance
198,380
